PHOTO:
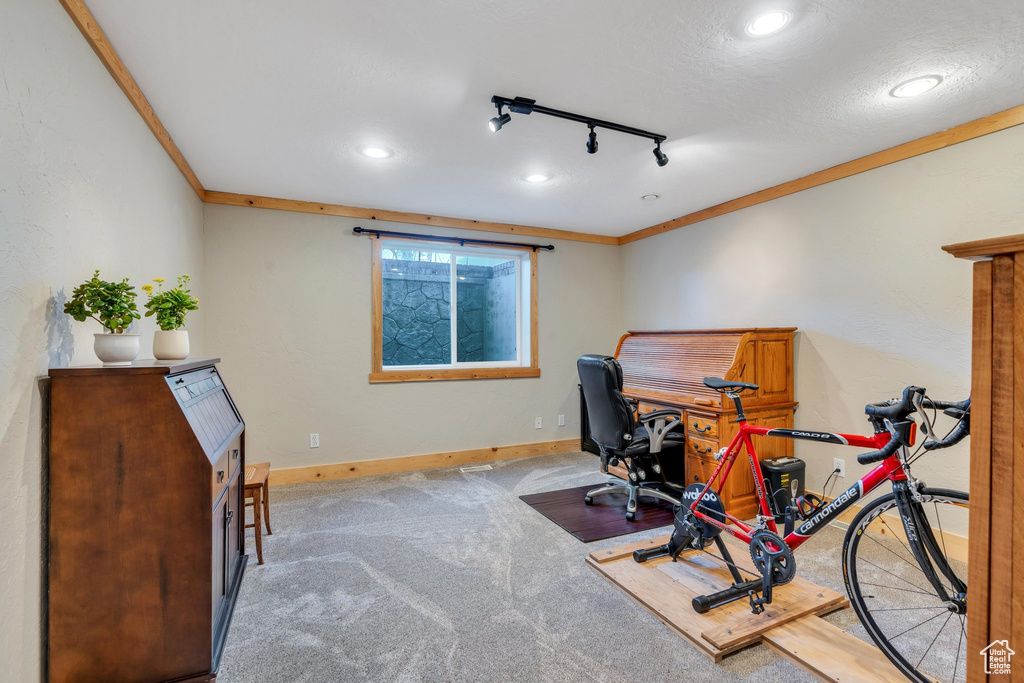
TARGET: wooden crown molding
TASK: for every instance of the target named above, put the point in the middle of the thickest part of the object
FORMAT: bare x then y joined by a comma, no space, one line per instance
94,35
980,250
962,133
97,39
323,209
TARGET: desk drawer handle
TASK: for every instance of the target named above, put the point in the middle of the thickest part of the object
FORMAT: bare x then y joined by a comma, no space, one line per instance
696,427
230,516
220,476
696,449
234,454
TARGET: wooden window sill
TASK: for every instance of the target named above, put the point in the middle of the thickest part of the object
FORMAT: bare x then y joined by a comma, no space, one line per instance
450,373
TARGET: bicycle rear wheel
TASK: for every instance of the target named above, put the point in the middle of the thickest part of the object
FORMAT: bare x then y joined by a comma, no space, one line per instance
923,633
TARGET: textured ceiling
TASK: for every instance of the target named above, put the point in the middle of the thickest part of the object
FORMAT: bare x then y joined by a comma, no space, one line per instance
276,98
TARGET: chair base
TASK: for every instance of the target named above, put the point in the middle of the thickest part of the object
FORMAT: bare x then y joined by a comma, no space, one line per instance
634,491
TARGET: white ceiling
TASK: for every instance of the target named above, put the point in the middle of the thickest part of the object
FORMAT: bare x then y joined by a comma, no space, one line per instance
276,98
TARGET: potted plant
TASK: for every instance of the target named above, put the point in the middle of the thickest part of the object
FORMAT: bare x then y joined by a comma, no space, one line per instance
170,308
111,304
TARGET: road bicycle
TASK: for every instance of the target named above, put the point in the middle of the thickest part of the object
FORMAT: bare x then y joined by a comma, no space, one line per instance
907,587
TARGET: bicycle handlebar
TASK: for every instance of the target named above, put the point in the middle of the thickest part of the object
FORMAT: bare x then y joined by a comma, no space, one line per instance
895,410
961,410
875,456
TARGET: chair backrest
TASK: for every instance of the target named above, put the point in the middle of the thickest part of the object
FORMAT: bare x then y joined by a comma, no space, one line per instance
610,417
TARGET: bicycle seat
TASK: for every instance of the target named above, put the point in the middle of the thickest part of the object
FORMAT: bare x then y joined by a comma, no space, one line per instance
719,384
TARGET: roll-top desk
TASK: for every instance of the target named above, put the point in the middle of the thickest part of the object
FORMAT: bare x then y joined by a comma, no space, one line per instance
665,369
146,550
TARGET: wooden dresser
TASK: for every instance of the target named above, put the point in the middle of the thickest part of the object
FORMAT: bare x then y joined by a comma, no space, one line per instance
146,550
666,370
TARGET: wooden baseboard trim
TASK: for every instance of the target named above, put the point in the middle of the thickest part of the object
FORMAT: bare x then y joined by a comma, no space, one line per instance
410,463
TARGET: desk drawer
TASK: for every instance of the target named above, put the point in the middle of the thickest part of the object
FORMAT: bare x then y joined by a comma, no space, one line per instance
699,469
702,425
702,448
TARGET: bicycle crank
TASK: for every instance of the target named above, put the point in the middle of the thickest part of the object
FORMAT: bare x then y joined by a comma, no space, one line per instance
774,561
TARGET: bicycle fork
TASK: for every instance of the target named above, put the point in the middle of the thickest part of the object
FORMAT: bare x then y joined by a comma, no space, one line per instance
925,549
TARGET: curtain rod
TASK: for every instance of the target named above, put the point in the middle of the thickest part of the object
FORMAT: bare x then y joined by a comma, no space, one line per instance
438,238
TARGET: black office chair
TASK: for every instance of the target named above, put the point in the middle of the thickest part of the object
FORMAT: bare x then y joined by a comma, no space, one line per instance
639,447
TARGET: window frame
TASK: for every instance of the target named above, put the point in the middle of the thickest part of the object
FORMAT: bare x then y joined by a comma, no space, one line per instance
456,370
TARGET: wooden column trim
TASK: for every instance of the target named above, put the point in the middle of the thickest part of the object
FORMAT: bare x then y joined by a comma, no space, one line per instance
978,576
1001,525
97,39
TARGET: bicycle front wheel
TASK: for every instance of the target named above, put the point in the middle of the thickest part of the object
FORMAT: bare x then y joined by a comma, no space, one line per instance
920,627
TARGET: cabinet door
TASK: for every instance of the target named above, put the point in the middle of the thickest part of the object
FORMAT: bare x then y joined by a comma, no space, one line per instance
220,558
234,527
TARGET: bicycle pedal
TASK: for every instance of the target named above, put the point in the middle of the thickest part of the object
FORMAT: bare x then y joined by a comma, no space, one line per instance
756,604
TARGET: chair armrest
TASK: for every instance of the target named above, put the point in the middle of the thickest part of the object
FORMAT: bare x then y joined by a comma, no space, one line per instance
655,414
657,425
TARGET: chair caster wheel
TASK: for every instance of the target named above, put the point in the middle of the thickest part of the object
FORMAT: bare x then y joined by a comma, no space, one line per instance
588,501
630,516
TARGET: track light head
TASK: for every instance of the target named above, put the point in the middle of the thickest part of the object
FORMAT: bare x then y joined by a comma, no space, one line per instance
497,122
660,156
592,141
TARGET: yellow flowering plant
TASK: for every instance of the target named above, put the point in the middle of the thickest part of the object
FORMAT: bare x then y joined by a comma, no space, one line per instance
171,306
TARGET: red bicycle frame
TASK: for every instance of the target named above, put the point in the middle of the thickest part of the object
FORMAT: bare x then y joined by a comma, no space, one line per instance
889,469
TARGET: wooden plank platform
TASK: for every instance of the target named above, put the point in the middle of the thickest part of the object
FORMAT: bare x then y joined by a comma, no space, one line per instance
790,625
830,653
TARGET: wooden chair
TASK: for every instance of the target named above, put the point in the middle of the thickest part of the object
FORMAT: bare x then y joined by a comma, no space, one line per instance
257,489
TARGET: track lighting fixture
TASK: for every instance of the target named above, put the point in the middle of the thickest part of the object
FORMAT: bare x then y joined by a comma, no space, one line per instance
498,121
660,156
524,105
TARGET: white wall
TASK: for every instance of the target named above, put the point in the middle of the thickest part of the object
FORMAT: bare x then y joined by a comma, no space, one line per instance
83,185
288,309
857,266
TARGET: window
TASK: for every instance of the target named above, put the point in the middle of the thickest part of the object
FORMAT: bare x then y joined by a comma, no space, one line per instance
458,312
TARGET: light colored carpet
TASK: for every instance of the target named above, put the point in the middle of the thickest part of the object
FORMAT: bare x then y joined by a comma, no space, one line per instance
444,576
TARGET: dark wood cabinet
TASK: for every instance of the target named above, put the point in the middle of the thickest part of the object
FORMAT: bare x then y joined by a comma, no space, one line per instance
146,517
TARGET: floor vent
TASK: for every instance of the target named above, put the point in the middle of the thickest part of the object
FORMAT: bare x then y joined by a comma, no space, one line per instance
476,468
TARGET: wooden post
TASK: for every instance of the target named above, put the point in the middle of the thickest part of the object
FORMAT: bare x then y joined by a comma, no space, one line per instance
995,595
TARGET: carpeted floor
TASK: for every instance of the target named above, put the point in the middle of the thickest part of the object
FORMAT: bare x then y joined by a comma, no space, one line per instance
444,576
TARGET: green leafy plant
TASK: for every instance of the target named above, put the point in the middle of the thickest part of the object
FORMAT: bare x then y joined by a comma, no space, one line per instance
111,304
170,307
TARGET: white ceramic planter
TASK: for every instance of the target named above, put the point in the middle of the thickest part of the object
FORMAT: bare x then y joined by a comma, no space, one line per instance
116,349
170,345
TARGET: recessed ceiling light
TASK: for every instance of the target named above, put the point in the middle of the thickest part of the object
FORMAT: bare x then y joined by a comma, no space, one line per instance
916,86
650,197
768,23
537,178
376,152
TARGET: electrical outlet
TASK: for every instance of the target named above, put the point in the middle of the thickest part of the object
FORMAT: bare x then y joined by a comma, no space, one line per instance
839,464
538,423
561,420
314,441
